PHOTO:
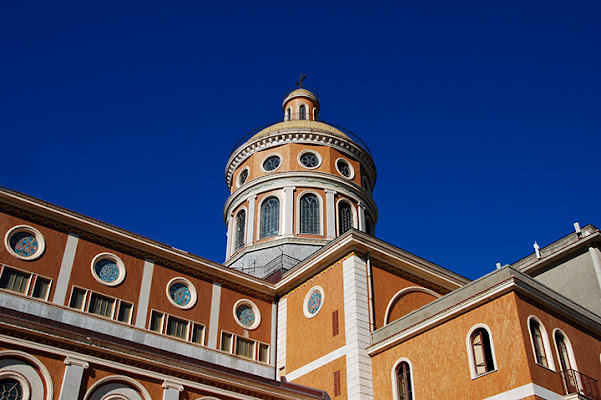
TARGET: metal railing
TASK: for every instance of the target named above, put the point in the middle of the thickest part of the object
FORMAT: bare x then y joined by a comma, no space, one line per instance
576,382
283,261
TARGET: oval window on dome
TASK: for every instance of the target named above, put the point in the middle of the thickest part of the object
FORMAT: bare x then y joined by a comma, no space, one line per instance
271,163
309,159
181,293
313,302
24,242
246,314
243,176
108,269
344,168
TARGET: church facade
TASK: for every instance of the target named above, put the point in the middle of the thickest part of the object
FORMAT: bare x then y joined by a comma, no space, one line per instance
308,304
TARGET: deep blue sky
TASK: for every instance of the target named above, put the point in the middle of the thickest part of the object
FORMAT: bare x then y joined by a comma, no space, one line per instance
483,117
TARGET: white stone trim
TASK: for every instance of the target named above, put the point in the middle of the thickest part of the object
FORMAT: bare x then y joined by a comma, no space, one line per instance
25,386
255,309
470,350
277,195
402,292
72,378
270,155
238,183
77,362
191,288
118,378
315,364
144,297
43,373
530,389
308,297
213,329
573,363
298,212
352,170
288,211
235,229
353,210
171,390
250,225
359,379
64,275
116,260
319,158
229,238
393,376
281,334
29,229
546,343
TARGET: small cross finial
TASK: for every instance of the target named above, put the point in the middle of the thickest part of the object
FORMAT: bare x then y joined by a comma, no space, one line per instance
300,81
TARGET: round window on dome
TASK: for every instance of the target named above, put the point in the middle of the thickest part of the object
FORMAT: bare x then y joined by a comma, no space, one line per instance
24,242
243,176
313,302
272,163
181,293
108,269
246,314
309,159
345,168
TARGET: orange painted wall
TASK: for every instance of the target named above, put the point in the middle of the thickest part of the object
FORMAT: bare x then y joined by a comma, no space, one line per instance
96,372
323,378
409,302
309,339
440,361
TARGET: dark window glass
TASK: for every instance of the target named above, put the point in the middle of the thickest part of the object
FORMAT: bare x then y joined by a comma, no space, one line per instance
403,374
270,218
198,334
243,176
539,346
156,321
101,305
302,112
263,353
14,280
309,214
245,348
177,327
226,342
344,168
271,163
77,299
240,225
40,289
482,352
10,389
345,217
309,160
124,314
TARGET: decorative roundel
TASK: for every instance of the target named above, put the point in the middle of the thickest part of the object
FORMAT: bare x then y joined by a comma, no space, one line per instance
246,314
24,242
309,159
14,385
345,168
272,163
243,176
181,293
108,269
313,302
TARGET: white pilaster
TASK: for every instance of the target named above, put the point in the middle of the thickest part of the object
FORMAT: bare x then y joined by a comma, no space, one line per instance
230,236
361,217
64,275
330,214
359,380
144,297
72,378
287,227
281,335
274,331
214,317
596,256
250,231
171,390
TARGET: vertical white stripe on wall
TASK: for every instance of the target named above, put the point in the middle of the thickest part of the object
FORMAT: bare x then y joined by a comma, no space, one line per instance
330,214
64,275
144,297
274,332
281,335
214,317
356,326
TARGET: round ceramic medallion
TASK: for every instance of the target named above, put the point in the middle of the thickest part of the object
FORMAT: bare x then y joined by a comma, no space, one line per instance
181,293
246,314
313,302
108,269
24,242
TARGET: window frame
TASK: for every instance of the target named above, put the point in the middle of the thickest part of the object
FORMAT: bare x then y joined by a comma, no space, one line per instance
29,229
394,378
233,338
303,112
117,261
470,351
238,178
546,343
31,284
260,219
353,212
315,153
236,227
299,212
268,156
348,163
87,297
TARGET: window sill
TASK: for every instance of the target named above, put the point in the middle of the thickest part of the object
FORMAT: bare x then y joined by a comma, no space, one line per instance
484,374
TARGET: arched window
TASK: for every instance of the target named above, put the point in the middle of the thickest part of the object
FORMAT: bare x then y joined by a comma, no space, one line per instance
481,351
568,366
403,382
564,354
309,215
538,343
345,217
288,114
302,112
270,217
240,225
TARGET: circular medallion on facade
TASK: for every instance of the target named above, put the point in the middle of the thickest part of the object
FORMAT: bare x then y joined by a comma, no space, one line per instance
309,159
181,293
313,302
108,269
246,314
24,242
345,168
271,163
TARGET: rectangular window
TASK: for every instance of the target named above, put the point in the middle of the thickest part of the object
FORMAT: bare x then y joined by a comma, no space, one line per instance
78,299
177,327
335,328
226,342
41,288
245,348
156,321
14,280
263,355
198,333
101,305
124,314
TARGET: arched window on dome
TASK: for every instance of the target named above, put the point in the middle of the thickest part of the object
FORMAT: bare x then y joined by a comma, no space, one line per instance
302,112
288,114
270,218
240,225
345,217
314,114
310,215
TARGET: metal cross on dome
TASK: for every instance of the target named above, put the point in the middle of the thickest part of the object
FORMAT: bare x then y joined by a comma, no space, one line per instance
300,81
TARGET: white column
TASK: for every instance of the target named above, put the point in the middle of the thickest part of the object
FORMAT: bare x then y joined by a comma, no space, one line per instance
144,297
72,378
596,256
171,390
64,275
250,231
230,236
214,317
361,217
330,214
287,228
359,380
281,340
274,331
